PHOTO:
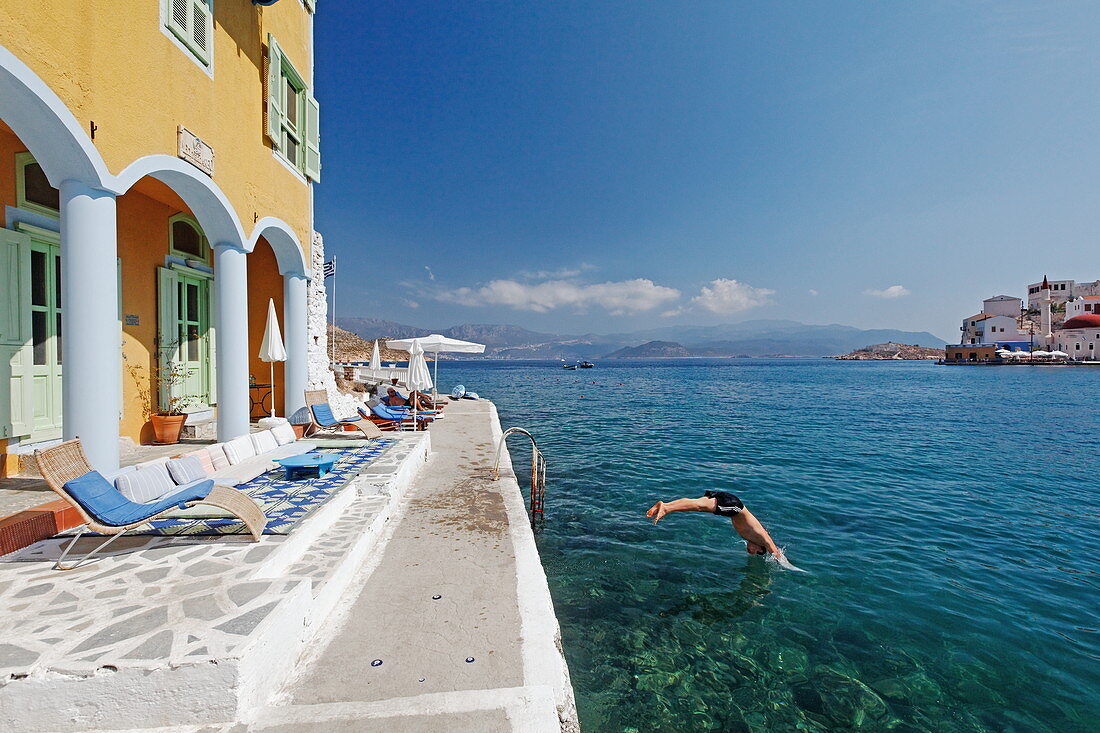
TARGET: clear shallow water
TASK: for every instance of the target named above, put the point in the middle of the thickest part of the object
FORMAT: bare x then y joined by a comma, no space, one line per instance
948,518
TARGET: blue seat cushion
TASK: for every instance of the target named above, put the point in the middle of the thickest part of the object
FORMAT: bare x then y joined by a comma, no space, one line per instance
323,415
106,504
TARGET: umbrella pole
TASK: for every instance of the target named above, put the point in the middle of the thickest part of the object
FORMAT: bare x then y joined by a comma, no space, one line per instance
435,380
272,365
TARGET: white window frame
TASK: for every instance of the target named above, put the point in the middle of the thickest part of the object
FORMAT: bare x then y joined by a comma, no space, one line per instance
207,64
194,224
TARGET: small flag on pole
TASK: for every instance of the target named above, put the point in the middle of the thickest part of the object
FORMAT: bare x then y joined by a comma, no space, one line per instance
330,268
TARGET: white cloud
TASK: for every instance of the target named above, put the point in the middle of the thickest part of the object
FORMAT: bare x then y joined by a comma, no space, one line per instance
410,303
618,298
560,274
894,291
813,292
431,275
724,296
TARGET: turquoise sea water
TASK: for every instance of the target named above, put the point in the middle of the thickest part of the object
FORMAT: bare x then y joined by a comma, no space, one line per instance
948,518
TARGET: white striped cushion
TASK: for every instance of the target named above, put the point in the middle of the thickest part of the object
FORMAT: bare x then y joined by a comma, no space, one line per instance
239,449
203,457
146,484
264,441
186,469
217,456
283,434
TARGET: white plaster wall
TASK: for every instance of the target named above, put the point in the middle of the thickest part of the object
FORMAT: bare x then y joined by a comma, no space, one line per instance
994,332
1076,343
320,375
1010,307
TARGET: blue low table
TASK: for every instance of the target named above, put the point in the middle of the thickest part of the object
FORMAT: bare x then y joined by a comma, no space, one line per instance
307,465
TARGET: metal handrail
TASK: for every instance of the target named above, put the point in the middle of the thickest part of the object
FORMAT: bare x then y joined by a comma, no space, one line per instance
538,472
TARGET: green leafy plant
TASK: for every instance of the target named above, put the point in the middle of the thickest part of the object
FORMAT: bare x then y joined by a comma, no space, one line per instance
168,375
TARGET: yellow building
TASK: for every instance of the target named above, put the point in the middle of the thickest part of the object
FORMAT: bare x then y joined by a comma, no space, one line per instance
157,159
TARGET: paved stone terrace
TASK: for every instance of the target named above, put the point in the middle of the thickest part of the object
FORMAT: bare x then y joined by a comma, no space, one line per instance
210,632
156,603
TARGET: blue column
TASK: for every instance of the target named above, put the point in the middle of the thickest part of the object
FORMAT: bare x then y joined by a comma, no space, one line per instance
91,383
231,324
295,316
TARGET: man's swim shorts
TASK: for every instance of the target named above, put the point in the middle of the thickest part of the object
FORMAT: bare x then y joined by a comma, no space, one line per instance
726,504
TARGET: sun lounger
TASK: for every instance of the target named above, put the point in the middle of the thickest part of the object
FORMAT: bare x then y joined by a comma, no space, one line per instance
321,414
404,420
107,510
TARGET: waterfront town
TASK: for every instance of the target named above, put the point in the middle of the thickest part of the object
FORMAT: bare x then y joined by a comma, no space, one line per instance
197,526
1058,323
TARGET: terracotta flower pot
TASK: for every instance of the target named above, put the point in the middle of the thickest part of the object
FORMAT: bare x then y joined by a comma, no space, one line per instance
167,428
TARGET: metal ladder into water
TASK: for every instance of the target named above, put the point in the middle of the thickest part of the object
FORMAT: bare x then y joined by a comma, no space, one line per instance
538,472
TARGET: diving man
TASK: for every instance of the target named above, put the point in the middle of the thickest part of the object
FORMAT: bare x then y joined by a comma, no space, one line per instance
725,504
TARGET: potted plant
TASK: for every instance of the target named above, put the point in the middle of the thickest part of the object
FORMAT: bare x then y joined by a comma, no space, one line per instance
168,421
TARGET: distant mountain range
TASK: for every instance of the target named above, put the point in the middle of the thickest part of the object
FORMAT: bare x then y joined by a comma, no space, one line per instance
748,338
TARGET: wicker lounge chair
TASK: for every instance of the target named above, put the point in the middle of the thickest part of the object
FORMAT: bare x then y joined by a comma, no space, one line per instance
320,414
106,510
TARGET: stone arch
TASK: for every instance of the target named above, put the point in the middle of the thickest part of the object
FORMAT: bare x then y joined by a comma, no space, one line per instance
46,126
208,203
288,252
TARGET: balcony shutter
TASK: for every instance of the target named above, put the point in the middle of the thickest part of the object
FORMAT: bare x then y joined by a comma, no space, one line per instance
274,92
313,139
201,29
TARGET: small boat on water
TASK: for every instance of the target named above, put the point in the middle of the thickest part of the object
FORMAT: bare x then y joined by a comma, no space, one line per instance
570,367
586,364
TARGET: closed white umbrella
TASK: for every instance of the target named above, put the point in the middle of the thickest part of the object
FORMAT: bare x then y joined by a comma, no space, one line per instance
436,344
272,349
418,379
375,358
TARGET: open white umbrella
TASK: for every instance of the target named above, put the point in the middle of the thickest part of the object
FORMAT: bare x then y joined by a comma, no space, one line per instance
436,344
418,379
1060,354
1040,352
272,349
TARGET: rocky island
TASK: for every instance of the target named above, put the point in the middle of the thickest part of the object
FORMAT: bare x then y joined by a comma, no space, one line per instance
892,351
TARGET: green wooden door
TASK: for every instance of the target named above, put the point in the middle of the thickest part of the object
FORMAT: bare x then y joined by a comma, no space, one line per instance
45,345
15,388
193,325
34,350
186,337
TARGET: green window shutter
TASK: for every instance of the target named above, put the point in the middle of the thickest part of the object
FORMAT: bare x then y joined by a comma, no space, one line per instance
179,19
313,138
16,385
202,29
274,92
14,286
167,323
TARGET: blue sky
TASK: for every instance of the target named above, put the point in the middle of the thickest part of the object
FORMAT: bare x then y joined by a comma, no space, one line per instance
610,166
